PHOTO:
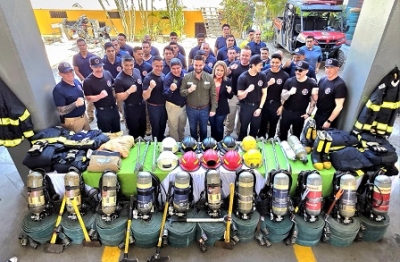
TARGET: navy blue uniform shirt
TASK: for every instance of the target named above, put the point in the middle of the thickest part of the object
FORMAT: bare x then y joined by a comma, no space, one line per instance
65,94
124,81
92,86
156,96
174,96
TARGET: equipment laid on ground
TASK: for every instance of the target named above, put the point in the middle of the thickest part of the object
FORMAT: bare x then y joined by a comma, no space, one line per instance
212,189
73,190
208,229
208,143
38,187
253,158
232,160
182,194
227,144
309,195
145,196
167,161
248,143
210,159
298,148
373,205
342,228
320,151
52,247
109,191
153,165
245,193
169,144
309,134
188,144
128,233
189,162
228,243
157,256
308,225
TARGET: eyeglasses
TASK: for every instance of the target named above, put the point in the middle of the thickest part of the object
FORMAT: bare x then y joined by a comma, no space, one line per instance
309,41
299,70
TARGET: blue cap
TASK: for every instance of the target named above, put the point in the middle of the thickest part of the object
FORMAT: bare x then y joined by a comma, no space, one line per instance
298,51
64,67
96,61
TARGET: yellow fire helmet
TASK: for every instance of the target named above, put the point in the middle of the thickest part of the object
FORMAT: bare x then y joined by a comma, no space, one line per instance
248,143
253,158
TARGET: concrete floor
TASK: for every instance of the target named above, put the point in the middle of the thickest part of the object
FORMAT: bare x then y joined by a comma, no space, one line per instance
13,207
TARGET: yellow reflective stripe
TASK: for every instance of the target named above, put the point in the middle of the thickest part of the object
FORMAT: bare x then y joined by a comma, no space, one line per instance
336,148
28,134
11,142
50,140
366,127
25,115
359,172
390,105
372,106
358,125
389,129
5,121
381,126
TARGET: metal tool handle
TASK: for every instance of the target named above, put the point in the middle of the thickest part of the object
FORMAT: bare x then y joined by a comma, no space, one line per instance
338,194
78,214
60,214
228,223
153,166
278,167
263,155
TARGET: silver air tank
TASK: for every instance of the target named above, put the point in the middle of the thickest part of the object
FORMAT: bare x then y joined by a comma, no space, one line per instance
348,201
298,148
213,187
313,202
245,194
381,195
72,190
36,199
109,195
144,194
182,190
280,195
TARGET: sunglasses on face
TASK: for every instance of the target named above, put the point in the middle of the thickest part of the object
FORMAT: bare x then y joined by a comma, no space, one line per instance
299,70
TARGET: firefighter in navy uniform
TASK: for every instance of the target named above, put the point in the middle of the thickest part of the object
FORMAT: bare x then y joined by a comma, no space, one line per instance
276,78
297,93
252,93
331,96
128,88
98,89
69,100
153,94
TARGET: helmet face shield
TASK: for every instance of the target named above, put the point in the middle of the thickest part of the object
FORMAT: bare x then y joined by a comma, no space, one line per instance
209,143
169,144
167,161
188,144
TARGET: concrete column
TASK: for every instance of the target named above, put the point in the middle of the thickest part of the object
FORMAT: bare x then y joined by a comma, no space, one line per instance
374,52
24,67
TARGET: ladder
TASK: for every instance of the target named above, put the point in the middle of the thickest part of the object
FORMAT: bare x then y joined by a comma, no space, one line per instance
211,21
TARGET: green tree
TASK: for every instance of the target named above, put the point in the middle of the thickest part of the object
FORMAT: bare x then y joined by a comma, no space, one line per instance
176,15
238,14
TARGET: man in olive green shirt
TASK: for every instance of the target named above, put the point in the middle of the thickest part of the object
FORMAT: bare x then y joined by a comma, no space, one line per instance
201,97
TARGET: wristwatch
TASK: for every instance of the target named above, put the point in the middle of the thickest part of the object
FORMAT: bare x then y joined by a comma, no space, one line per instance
308,114
329,121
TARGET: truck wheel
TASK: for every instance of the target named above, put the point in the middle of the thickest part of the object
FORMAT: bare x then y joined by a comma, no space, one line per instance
340,57
275,40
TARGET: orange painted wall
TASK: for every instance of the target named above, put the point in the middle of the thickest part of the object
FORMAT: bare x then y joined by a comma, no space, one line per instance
44,20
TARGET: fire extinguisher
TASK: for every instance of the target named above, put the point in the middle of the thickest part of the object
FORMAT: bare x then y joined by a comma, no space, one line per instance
213,192
109,190
245,193
36,195
183,195
73,185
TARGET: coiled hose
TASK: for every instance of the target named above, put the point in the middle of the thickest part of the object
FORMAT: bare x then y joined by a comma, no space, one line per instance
246,228
112,233
213,231
146,232
181,234
39,231
343,235
309,234
374,231
72,228
277,231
